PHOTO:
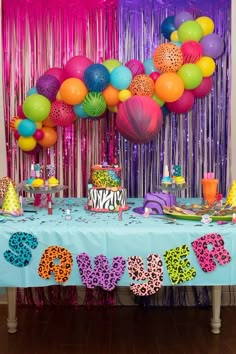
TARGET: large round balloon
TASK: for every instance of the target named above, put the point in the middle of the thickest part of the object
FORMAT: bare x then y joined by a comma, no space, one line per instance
183,104
206,23
182,17
121,77
26,143
58,73
168,26
169,87
192,51
136,67
191,75
96,77
73,91
27,127
142,85
212,45
76,66
168,57
49,137
94,104
62,114
48,86
204,88
36,107
139,119
190,30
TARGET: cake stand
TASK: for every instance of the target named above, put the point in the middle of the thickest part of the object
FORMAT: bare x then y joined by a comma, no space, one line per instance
42,195
172,189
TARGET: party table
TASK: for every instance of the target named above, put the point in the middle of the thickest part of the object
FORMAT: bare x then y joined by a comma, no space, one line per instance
27,241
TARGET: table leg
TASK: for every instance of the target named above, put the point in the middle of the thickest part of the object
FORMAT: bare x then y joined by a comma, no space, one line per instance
216,306
12,320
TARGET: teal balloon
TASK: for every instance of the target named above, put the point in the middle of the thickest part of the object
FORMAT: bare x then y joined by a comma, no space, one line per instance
94,104
79,111
26,128
149,66
177,43
190,30
31,91
191,75
121,77
36,107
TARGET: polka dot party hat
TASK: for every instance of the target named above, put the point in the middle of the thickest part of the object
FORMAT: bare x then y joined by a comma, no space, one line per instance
11,203
231,197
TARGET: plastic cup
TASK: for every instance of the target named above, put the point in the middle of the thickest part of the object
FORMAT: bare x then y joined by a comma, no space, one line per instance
209,190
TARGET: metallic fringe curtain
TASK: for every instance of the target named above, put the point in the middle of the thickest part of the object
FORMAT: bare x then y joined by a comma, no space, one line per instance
38,35
199,140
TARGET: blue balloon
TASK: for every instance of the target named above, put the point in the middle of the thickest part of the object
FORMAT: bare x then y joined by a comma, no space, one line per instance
27,127
165,111
79,111
177,43
149,66
168,26
31,91
121,77
96,77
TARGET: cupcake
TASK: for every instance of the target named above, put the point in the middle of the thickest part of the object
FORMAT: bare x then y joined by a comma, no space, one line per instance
37,183
180,181
53,182
166,182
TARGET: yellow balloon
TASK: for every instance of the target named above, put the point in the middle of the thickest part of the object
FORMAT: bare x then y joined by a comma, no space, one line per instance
174,36
113,109
58,96
27,143
39,125
207,24
124,95
207,66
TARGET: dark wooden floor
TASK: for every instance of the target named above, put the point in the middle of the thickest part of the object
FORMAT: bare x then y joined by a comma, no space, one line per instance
117,330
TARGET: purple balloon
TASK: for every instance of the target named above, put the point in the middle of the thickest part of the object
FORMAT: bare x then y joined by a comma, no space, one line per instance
48,86
182,17
212,45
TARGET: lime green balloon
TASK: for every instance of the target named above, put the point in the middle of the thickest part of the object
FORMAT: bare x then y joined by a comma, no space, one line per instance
158,100
94,104
111,64
191,75
36,107
190,30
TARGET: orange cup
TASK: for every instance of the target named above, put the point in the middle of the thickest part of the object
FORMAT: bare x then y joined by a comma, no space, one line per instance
209,190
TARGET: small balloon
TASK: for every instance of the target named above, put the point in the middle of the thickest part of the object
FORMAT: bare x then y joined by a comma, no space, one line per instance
136,67
111,64
27,127
212,45
79,111
207,66
39,134
27,143
111,96
149,66
121,77
206,23
183,104
191,75
182,17
36,107
168,26
76,66
190,30
73,91
124,95
49,137
204,88
169,87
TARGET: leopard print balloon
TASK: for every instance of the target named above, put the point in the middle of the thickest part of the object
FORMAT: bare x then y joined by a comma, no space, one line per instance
168,57
142,85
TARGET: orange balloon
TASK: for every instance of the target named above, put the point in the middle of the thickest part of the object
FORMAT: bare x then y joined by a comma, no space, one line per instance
111,95
73,91
49,138
169,87
48,122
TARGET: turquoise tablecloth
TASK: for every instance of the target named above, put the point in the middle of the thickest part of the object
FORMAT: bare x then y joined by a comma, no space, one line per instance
101,233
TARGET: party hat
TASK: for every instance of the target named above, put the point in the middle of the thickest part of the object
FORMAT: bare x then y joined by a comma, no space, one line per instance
11,202
231,197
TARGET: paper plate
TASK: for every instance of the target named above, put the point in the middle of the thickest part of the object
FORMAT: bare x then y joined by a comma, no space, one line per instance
197,217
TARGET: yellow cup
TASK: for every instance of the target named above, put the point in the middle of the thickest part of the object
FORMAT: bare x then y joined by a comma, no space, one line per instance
209,190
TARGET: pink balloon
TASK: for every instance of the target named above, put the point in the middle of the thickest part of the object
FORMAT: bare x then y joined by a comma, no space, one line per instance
58,73
183,104
204,88
16,134
76,66
20,112
62,114
154,75
192,51
135,66
38,135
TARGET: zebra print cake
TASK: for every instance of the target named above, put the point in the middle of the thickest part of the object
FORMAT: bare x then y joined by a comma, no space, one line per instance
107,199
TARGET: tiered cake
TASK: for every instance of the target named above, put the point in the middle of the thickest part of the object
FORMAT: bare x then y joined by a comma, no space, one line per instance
106,193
